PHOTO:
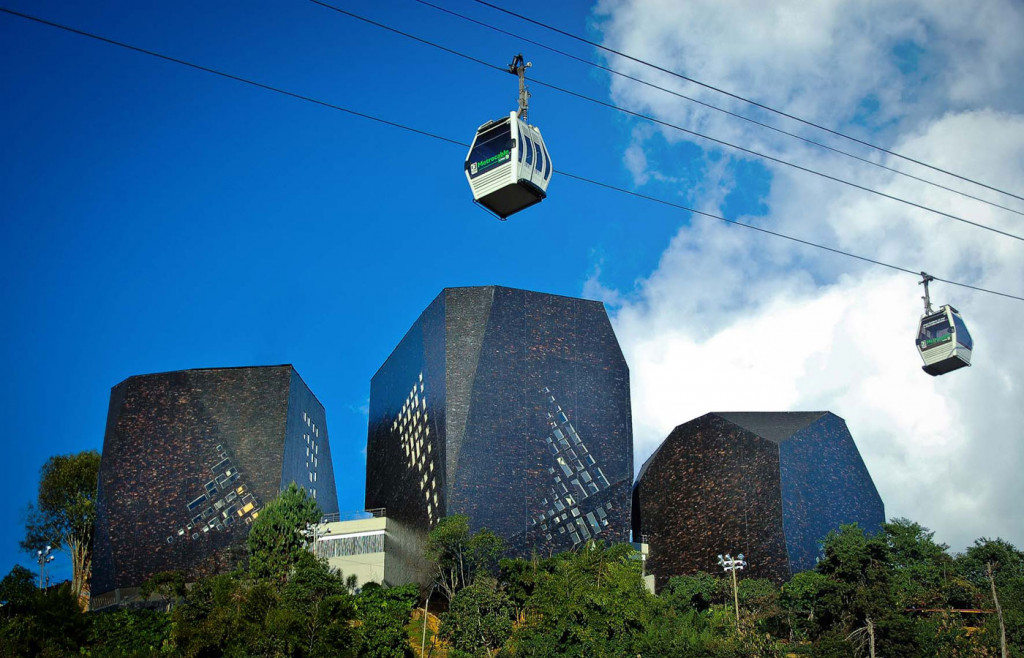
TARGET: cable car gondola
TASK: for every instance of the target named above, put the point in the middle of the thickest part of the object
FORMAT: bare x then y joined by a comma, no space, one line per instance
943,341
508,166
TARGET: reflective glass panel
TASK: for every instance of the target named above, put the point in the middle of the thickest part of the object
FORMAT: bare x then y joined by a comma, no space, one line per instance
492,148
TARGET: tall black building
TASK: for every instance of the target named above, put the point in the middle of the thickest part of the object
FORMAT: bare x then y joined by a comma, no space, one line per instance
511,407
770,485
189,460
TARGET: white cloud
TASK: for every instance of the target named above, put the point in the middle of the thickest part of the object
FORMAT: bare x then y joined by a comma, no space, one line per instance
734,320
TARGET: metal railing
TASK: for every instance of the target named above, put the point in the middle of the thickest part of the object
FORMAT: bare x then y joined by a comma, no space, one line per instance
355,515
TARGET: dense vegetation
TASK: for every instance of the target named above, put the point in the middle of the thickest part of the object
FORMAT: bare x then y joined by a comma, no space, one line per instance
899,592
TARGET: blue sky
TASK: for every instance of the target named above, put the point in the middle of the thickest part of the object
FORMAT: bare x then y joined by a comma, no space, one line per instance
157,218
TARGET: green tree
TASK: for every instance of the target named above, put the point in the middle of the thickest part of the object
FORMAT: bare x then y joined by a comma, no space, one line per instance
479,619
276,539
383,614
923,572
128,632
697,592
518,578
802,601
459,556
759,600
321,602
592,602
64,513
16,590
168,585
861,592
1007,565
231,615
40,622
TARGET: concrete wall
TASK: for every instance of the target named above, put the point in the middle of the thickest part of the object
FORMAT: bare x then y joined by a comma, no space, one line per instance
352,547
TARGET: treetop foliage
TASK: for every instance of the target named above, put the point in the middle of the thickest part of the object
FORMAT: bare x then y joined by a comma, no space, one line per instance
276,540
64,513
899,589
459,556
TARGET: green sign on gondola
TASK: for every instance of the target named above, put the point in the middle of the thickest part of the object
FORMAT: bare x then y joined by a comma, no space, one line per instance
495,159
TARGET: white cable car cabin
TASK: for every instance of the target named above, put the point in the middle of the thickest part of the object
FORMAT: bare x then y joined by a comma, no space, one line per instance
944,342
508,166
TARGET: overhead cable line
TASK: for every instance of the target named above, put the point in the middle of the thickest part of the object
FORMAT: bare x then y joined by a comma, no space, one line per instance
672,125
395,124
741,98
223,74
777,234
715,107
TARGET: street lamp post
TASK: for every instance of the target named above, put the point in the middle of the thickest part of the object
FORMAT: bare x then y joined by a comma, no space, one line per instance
43,557
733,564
426,619
312,533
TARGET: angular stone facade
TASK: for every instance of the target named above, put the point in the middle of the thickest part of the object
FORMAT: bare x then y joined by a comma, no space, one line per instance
768,485
511,407
190,458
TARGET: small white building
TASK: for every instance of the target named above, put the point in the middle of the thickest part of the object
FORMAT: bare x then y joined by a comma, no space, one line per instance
373,548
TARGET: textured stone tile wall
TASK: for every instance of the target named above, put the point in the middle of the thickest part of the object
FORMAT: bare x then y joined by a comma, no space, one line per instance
712,488
169,437
715,486
824,484
511,371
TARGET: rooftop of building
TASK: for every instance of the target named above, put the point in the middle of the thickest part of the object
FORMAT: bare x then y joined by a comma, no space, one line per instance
221,369
775,426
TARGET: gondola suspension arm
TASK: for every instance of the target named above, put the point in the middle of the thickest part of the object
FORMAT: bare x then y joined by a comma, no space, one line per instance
518,68
925,278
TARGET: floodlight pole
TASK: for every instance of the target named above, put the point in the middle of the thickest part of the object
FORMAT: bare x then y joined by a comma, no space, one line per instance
730,564
43,557
312,534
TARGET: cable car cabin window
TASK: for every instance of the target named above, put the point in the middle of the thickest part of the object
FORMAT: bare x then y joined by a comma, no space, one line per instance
962,335
935,330
547,163
540,157
529,150
492,148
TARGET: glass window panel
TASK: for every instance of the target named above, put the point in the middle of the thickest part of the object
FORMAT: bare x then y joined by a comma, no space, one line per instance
491,148
962,335
935,330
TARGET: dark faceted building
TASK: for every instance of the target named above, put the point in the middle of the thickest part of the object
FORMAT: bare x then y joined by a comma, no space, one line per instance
511,407
189,460
768,485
